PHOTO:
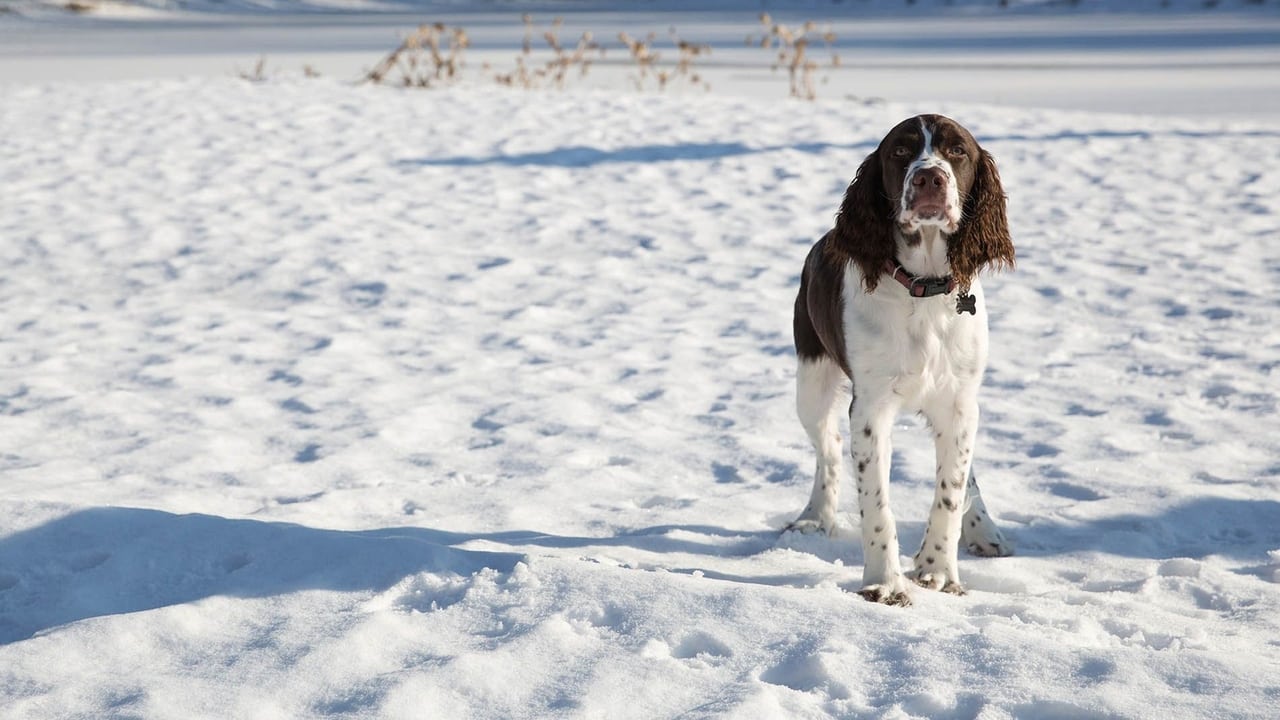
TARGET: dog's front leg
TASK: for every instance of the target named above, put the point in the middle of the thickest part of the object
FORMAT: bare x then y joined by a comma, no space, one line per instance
955,427
870,425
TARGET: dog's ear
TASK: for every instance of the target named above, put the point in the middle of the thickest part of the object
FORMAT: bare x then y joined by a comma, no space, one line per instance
864,227
983,238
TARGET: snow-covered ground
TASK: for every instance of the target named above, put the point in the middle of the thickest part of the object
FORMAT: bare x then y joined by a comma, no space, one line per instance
332,400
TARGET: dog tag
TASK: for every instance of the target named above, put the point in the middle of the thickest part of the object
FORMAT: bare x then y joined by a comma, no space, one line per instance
966,303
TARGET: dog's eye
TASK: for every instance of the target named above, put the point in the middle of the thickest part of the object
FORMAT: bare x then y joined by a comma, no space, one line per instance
901,151
956,151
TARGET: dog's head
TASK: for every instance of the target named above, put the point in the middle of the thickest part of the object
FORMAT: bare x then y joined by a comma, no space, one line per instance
927,172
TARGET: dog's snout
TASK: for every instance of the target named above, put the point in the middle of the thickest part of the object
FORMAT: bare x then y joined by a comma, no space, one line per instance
929,179
926,192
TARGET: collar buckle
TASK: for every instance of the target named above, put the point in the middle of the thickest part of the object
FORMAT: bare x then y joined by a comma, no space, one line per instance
923,287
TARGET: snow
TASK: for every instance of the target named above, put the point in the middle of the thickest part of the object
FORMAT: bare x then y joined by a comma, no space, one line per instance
335,400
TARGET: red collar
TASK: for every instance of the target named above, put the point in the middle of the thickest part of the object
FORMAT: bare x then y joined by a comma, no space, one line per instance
923,287
920,287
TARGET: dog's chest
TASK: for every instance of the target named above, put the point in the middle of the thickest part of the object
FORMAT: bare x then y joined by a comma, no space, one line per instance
916,347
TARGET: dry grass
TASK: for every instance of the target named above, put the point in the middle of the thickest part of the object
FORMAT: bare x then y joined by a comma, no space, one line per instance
563,59
688,53
793,46
432,56
646,60
258,73
429,57
642,55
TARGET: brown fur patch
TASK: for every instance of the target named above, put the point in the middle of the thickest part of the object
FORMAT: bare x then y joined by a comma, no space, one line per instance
818,321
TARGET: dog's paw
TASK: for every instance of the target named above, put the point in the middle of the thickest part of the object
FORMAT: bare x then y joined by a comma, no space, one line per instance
936,581
927,580
986,540
991,549
809,524
892,593
883,595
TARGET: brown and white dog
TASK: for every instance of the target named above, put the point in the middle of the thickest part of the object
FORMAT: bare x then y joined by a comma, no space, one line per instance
890,299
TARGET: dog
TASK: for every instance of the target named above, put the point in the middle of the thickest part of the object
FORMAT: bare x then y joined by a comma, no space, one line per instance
890,300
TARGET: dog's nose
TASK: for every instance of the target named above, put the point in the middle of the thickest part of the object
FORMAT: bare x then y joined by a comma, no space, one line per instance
929,178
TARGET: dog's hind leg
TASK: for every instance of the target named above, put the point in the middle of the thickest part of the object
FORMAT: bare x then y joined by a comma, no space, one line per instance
978,532
818,390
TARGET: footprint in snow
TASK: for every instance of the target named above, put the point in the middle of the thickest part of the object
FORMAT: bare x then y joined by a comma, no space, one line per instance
725,474
805,674
702,646
286,377
366,295
308,454
1071,491
294,405
1040,450
492,263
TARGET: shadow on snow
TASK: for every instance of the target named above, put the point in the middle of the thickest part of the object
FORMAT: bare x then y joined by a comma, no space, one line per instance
107,561
1197,529
581,156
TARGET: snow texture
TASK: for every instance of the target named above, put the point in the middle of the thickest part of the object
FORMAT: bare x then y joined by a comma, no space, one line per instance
322,400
